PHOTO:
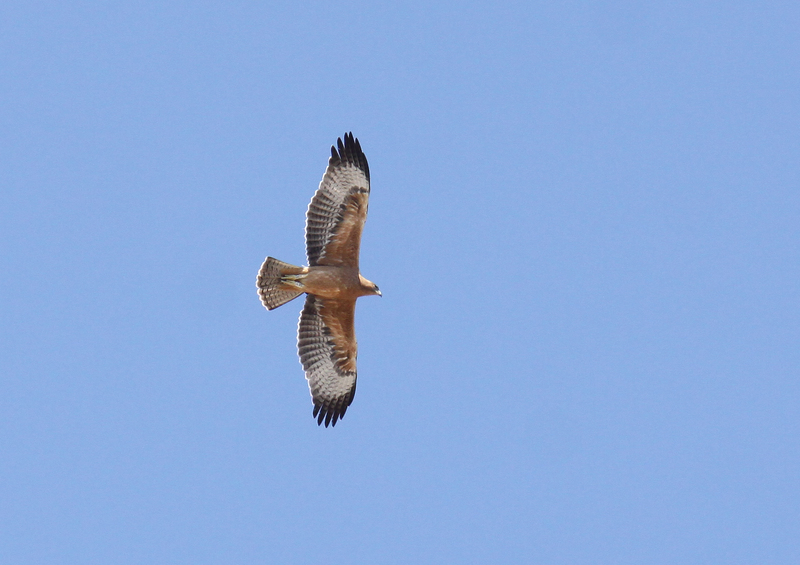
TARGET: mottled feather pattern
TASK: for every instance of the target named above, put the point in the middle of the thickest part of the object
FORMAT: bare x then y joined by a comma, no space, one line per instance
270,289
331,210
332,388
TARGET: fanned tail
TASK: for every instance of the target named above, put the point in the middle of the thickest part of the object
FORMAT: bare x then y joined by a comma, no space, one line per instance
273,289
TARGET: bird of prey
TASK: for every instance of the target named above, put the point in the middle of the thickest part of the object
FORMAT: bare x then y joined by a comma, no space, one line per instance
326,337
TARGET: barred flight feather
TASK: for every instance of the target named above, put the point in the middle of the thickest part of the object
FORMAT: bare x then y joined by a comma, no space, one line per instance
270,289
346,178
332,388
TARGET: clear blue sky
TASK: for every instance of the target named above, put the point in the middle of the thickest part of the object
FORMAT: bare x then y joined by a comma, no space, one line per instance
585,221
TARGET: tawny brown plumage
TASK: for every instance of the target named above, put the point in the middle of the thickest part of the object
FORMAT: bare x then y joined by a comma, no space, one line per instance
326,337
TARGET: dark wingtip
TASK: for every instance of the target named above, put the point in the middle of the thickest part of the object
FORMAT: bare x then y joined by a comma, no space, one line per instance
329,415
350,152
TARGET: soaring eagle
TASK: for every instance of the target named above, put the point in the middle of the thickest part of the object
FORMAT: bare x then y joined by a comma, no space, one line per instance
326,337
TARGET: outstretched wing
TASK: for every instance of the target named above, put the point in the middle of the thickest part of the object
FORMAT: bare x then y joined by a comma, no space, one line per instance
326,343
337,213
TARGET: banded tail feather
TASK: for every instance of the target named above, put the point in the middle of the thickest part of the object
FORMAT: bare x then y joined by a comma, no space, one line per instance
273,288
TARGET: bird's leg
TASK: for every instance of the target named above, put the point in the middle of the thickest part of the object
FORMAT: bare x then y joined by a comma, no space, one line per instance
294,280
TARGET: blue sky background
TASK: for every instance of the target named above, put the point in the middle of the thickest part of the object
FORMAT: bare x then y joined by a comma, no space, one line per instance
585,221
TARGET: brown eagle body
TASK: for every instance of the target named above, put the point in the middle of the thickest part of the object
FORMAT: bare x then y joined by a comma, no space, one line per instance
326,338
